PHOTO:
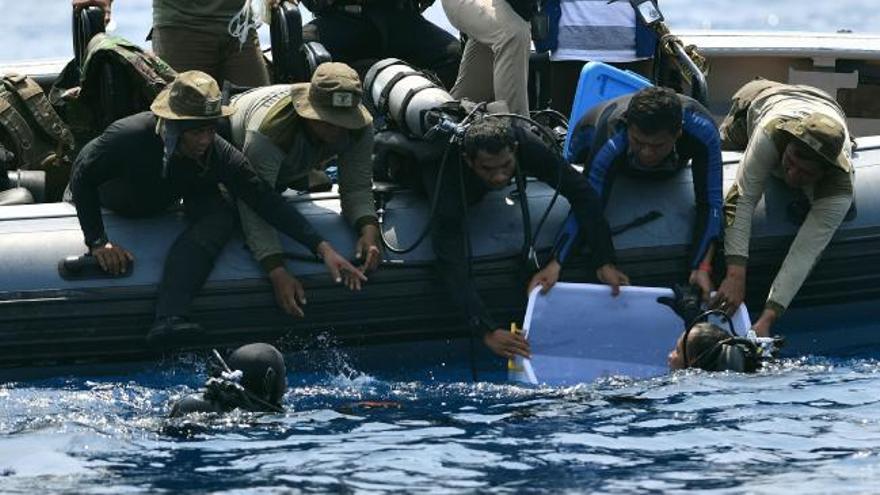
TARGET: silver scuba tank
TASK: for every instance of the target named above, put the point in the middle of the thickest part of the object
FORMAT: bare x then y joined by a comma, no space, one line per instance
403,94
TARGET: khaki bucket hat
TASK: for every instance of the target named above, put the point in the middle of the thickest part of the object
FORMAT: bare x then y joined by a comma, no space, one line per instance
822,134
193,95
333,96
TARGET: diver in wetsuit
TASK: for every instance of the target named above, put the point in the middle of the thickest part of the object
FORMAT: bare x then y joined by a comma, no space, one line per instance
650,135
705,345
494,151
254,378
146,162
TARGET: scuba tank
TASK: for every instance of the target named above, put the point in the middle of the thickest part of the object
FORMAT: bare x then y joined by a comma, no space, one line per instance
404,95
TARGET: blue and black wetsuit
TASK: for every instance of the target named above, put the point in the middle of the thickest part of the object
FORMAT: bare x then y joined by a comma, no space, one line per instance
600,141
536,159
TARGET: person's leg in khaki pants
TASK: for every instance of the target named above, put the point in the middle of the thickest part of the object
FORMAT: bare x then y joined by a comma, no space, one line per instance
186,49
243,65
218,55
495,62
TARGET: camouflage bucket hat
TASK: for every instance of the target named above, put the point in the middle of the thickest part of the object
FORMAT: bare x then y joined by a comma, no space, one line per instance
333,96
823,135
193,95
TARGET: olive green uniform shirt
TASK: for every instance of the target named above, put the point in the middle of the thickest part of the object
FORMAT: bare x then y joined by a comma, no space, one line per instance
830,198
211,16
281,167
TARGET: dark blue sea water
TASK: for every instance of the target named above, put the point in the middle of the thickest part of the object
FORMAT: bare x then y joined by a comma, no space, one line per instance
807,425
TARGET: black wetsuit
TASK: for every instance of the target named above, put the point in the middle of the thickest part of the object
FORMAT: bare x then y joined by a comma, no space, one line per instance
121,170
535,159
360,33
196,403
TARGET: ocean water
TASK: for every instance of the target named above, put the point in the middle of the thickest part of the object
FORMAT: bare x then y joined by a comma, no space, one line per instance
803,425
809,425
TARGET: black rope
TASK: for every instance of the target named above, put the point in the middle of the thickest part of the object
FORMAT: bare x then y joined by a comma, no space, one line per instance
431,212
433,209
558,147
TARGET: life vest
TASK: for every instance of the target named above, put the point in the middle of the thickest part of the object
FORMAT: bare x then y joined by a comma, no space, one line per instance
734,128
117,79
136,77
281,123
29,126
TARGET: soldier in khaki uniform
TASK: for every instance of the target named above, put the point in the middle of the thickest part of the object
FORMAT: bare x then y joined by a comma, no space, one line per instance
289,132
798,134
194,35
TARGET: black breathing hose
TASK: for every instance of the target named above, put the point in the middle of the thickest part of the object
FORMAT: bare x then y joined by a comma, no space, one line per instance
551,139
528,250
431,212
433,209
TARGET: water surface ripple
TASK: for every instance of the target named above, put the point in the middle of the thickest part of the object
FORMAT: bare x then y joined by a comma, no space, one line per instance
813,424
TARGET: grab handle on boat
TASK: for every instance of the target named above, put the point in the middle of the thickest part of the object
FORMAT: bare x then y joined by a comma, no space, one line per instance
86,267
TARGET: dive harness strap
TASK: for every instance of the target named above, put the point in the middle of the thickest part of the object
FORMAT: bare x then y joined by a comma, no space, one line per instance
48,120
22,135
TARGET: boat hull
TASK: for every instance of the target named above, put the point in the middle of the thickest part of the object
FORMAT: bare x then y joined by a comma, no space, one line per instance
45,319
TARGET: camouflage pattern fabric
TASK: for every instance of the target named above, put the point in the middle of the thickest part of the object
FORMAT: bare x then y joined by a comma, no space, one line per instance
30,126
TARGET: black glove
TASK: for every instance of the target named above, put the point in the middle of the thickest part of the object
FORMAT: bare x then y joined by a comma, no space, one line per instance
686,302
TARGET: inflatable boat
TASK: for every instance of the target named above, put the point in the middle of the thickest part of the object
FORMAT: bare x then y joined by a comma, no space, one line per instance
50,313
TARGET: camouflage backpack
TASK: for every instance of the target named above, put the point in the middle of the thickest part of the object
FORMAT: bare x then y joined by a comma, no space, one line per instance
29,126
117,79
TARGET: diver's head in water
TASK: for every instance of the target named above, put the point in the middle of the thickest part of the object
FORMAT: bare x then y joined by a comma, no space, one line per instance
254,378
263,372
708,347
654,123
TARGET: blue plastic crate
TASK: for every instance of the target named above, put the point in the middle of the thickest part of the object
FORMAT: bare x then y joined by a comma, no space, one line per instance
600,82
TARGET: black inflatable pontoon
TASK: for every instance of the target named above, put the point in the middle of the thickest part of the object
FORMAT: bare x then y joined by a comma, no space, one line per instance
47,319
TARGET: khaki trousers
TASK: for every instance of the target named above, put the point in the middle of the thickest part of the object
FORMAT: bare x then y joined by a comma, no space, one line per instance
495,62
216,54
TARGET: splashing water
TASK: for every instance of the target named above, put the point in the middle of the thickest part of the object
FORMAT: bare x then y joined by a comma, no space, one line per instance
810,423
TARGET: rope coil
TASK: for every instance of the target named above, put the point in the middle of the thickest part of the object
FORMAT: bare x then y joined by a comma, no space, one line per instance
251,16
